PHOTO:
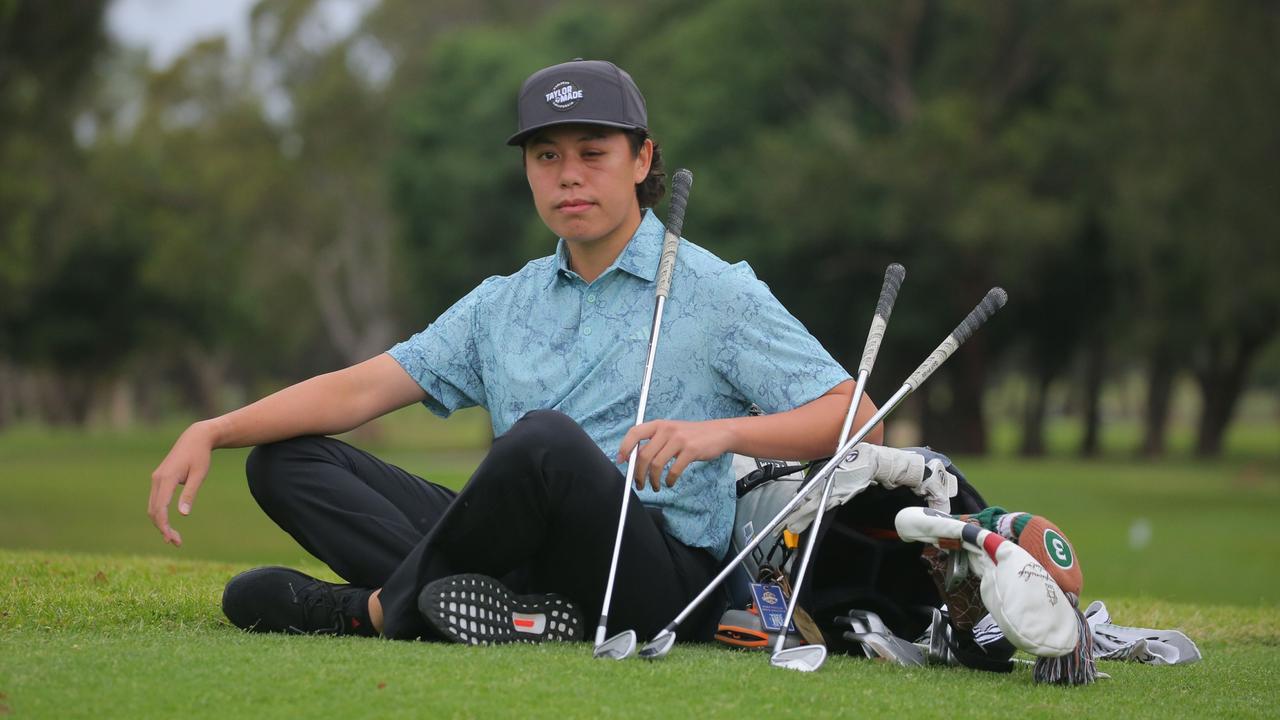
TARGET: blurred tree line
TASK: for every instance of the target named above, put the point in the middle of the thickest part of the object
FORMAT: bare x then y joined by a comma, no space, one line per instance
191,236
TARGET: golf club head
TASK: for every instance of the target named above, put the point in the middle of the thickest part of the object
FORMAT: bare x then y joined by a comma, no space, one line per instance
618,647
888,647
805,658
659,646
857,625
939,651
904,653
869,620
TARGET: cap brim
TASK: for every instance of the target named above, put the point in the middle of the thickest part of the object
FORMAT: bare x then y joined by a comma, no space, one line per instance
519,138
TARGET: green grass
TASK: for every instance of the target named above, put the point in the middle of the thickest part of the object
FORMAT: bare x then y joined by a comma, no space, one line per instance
66,490
1212,535
97,635
1259,441
97,617
1211,525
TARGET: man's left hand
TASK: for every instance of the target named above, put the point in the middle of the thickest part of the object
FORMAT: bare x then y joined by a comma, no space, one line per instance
664,441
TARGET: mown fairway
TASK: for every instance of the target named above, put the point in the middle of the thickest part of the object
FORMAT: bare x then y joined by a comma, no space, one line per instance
94,635
124,626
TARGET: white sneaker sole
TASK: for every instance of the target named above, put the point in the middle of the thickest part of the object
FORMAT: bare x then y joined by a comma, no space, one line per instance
478,610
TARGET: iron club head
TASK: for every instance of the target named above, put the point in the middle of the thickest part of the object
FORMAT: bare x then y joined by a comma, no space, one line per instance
659,646
939,650
804,658
888,647
618,647
854,624
868,620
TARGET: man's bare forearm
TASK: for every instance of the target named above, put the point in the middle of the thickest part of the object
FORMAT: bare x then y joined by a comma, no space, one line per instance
323,405
809,431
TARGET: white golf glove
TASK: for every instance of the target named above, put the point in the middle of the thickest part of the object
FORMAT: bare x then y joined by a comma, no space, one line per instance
890,468
1145,645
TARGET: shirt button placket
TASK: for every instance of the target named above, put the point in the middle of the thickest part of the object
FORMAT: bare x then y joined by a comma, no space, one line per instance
587,316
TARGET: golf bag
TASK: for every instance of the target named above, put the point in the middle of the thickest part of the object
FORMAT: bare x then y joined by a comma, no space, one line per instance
859,561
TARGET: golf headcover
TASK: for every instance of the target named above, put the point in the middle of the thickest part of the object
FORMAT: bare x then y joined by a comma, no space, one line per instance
1019,593
1039,537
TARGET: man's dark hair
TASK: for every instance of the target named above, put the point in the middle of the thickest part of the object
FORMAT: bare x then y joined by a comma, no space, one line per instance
650,190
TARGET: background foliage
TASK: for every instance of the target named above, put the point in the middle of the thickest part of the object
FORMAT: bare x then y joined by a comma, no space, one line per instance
176,240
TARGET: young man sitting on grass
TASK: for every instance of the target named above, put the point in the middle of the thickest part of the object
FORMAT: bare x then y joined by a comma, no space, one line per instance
555,352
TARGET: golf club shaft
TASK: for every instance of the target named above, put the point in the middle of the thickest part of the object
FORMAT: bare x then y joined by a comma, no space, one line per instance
813,534
893,276
631,467
680,185
859,387
993,300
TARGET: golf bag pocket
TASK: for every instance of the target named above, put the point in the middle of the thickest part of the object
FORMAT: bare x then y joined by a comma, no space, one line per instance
761,497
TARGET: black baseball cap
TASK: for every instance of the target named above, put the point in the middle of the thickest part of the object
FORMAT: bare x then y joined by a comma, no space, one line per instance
592,92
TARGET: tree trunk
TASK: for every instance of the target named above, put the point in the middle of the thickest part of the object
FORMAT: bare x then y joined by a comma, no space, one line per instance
957,426
351,280
1033,415
64,397
1221,380
8,393
121,403
1095,364
1156,415
203,376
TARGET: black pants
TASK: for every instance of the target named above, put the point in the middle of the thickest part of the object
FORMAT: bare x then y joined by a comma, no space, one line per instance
540,512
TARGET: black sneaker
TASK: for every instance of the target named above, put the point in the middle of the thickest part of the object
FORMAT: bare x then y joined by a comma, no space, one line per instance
277,599
478,610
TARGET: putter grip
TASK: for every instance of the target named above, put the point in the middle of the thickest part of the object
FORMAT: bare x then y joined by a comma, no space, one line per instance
680,185
893,276
994,300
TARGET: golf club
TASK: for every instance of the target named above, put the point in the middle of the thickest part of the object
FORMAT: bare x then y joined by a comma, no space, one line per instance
622,645
887,646
661,644
877,641
863,621
807,658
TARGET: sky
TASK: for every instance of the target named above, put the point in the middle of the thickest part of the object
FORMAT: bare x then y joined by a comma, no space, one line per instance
168,27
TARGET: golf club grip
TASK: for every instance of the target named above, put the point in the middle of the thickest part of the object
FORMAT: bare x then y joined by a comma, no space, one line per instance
893,276
680,185
994,300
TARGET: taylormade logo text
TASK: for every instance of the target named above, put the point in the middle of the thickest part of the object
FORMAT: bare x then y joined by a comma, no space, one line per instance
564,96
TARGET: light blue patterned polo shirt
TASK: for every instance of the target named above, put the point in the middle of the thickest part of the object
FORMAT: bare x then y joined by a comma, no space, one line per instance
543,338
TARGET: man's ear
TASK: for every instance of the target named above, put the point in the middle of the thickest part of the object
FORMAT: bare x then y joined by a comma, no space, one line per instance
644,158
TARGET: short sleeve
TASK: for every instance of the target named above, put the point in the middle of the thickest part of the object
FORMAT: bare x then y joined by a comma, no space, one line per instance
444,358
766,353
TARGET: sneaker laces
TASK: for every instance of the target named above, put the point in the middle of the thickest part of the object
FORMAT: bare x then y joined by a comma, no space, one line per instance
320,595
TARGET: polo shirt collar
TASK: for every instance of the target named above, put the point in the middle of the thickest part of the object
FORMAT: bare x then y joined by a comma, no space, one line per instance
639,258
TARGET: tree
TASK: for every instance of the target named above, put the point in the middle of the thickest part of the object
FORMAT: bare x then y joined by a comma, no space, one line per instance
1194,203
47,51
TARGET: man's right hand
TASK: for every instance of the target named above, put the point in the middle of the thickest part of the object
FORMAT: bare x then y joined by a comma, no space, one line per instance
327,404
186,464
